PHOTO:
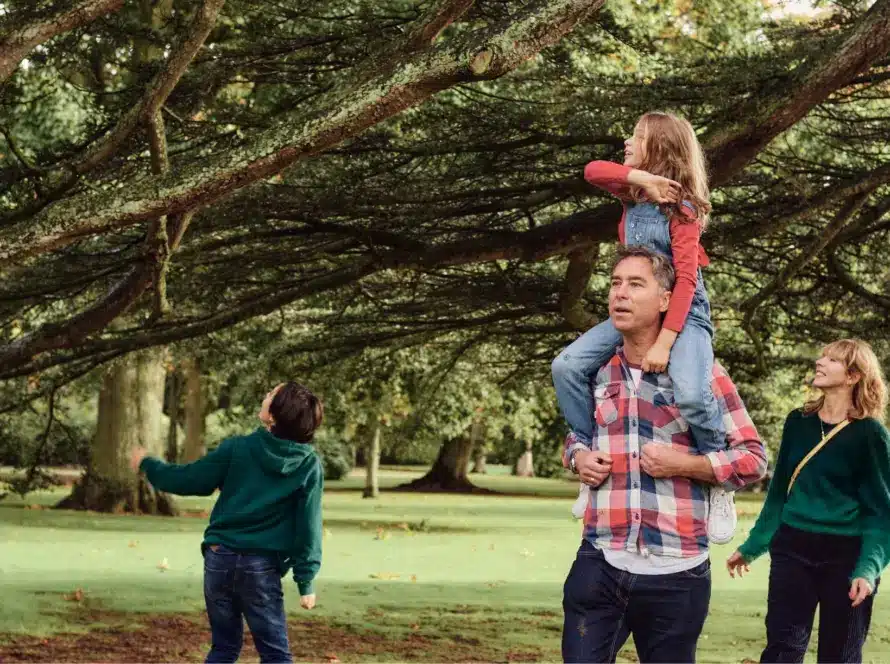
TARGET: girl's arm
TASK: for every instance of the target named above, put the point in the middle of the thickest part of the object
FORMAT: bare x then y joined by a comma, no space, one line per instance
685,238
618,179
610,177
770,518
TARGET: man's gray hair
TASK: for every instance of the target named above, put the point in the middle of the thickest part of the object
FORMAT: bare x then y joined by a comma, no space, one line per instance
662,267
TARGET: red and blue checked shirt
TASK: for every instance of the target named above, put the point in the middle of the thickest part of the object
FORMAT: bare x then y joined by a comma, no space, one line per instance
667,517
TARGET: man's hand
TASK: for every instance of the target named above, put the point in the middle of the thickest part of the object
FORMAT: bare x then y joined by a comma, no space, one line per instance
659,460
737,563
593,466
860,590
137,454
657,359
307,601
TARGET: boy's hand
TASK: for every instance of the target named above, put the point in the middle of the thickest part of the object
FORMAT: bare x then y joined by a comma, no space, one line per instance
308,601
137,454
593,466
657,359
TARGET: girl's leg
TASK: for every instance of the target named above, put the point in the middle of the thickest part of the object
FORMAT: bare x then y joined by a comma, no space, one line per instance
690,368
574,369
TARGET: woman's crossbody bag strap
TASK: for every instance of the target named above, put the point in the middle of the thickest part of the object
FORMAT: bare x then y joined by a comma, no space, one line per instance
831,434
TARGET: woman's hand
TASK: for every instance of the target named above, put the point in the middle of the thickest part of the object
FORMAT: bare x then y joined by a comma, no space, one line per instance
307,601
658,189
860,590
737,563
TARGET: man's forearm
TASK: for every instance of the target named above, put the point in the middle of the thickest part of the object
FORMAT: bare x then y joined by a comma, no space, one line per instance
697,468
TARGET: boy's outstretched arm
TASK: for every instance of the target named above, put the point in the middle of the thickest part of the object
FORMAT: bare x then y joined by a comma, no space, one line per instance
306,554
199,478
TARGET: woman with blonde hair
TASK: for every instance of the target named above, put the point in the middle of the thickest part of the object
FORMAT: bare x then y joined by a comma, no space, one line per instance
663,184
826,518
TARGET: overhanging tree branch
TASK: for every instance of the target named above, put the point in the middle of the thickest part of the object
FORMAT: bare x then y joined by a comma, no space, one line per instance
342,114
734,143
18,43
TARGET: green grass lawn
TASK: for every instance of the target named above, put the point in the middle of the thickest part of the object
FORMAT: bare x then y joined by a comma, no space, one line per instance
457,574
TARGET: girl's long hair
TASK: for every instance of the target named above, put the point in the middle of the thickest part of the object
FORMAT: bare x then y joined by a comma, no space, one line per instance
870,391
671,149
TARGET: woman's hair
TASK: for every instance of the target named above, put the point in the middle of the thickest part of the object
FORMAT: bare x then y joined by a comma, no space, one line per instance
869,392
671,149
296,413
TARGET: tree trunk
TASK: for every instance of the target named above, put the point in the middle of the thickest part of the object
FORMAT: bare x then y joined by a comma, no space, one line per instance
130,409
174,392
449,472
194,447
372,480
478,447
525,466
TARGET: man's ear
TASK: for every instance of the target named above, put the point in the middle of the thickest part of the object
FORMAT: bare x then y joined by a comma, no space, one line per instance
665,301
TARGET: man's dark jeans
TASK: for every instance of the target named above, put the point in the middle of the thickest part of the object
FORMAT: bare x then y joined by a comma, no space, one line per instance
238,586
809,569
604,605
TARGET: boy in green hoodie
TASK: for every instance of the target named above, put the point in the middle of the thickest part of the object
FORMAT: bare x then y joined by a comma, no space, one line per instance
266,521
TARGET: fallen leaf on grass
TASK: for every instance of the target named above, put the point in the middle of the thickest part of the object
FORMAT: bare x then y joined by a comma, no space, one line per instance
386,576
163,565
415,627
133,544
333,659
327,534
381,534
76,596
413,578
526,553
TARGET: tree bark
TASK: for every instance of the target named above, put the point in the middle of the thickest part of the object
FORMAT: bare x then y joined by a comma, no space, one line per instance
449,472
372,476
174,393
195,410
16,44
130,409
343,113
477,448
525,466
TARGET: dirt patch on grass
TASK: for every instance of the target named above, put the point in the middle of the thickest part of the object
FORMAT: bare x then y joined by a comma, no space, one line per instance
117,637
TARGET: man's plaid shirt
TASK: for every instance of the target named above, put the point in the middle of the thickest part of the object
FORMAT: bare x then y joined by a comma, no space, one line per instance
634,511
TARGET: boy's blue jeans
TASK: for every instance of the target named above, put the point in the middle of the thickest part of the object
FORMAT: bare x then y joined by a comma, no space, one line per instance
690,369
239,586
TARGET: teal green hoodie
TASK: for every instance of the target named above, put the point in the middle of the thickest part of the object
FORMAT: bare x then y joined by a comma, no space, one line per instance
269,500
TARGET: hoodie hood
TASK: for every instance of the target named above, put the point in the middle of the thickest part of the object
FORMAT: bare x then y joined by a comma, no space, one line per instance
277,456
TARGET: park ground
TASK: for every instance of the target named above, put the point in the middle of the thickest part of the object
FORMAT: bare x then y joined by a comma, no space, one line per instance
407,577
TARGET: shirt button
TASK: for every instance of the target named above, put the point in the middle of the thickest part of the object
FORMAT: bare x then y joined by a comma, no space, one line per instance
636,517
636,485
634,455
633,422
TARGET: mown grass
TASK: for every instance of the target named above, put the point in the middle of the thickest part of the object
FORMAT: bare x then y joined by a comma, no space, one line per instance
482,572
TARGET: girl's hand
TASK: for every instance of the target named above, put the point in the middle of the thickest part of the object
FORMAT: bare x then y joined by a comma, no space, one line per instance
736,563
308,601
860,590
657,359
658,189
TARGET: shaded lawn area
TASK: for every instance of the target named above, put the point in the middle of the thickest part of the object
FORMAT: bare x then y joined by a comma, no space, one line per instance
409,577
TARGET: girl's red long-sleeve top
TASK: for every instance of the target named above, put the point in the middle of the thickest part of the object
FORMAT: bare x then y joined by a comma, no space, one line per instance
685,239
